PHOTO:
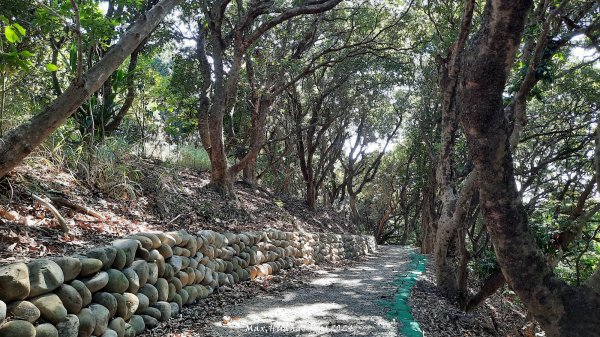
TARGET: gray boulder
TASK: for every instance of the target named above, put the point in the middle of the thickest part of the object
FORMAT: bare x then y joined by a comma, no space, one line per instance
17,329
137,323
84,292
118,326
46,330
69,327
70,266
89,266
102,315
23,310
87,322
117,281
70,298
107,300
44,276
96,282
105,254
14,282
51,308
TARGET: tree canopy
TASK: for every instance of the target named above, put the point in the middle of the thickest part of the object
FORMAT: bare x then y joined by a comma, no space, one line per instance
469,129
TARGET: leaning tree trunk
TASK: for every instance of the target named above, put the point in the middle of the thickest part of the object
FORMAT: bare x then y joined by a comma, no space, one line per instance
115,123
19,142
560,309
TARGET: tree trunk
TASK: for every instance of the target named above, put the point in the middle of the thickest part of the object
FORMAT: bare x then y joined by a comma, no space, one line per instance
311,194
450,250
114,124
449,247
248,163
354,217
19,142
593,282
428,225
204,104
560,309
249,173
220,179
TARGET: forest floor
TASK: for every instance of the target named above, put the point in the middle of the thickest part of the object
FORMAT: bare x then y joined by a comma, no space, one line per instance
321,300
500,314
161,198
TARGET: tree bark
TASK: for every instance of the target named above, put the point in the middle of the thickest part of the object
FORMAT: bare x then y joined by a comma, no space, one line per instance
257,139
114,124
311,194
204,103
449,240
560,309
428,225
354,216
494,282
450,251
19,142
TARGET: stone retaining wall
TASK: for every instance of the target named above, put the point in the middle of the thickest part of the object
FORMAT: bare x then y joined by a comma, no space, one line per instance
145,278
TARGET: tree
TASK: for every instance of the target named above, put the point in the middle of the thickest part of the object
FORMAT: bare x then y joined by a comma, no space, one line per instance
320,123
562,310
20,141
547,34
228,47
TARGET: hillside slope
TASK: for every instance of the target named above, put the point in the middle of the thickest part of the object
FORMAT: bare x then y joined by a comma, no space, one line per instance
154,197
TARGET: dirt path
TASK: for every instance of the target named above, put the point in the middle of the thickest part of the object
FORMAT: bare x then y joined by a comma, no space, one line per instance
339,302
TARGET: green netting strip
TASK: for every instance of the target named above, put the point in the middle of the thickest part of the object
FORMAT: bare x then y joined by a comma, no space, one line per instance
398,306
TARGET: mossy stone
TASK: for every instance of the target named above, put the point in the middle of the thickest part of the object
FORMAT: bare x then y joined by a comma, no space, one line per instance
70,298
69,327
117,325
46,330
117,281
107,300
87,322
83,291
89,266
70,266
97,282
17,329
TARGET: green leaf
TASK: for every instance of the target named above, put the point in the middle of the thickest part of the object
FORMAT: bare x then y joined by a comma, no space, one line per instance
20,29
51,67
11,34
26,54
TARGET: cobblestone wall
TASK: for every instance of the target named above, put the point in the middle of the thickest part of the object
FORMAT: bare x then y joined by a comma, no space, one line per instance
145,278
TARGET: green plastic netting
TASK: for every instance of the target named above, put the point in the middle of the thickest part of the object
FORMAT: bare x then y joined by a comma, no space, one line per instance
398,306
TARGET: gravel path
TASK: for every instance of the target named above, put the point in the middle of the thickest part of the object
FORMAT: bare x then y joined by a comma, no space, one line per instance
339,302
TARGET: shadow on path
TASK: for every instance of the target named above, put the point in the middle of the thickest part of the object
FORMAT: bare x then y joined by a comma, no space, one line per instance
337,303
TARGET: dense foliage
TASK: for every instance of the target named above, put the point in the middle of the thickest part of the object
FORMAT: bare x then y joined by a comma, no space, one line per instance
343,104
